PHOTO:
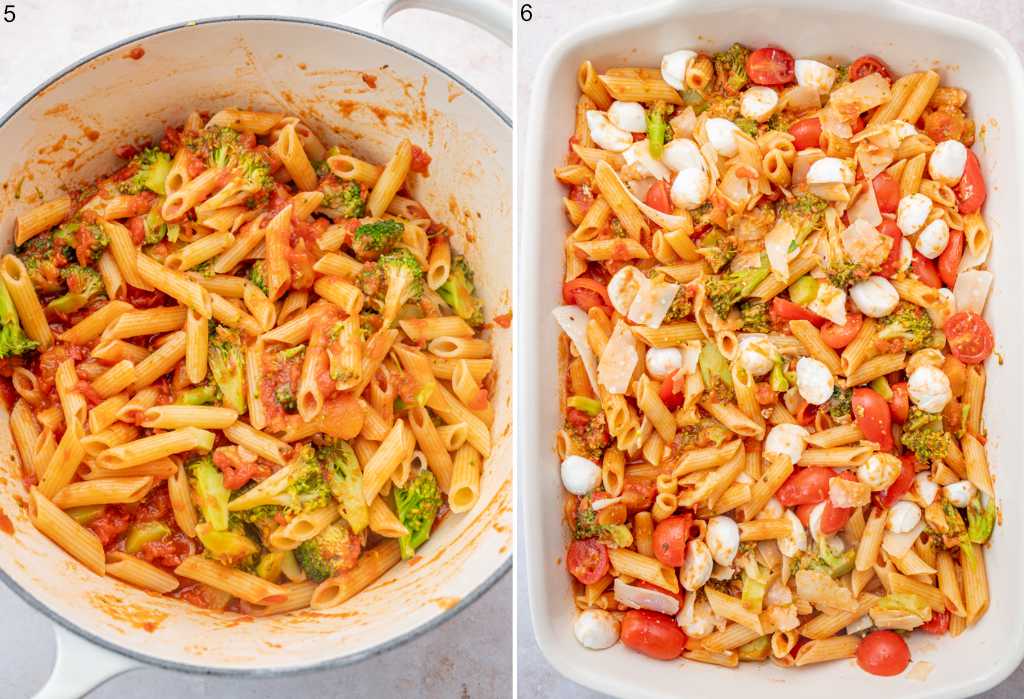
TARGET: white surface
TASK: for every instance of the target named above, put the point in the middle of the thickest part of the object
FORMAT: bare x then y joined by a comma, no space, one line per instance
552,20
435,665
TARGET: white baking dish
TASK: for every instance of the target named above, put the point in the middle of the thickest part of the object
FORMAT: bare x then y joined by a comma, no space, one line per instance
908,38
65,132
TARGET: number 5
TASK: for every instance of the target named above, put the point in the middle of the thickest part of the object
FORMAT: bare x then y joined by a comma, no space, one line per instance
8,13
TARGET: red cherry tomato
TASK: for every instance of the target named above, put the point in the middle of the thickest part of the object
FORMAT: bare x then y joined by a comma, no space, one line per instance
839,336
803,513
892,262
657,197
585,293
873,418
970,339
835,518
638,493
669,539
887,193
899,404
938,624
770,67
787,310
807,133
858,124
971,190
866,65
883,653
805,413
587,560
669,395
653,634
901,486
925,270
949,259
807,486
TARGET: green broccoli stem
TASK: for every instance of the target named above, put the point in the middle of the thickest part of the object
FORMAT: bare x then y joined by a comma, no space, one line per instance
8,314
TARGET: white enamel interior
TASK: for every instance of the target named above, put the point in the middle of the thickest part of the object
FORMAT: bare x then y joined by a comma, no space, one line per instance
315,72
908,38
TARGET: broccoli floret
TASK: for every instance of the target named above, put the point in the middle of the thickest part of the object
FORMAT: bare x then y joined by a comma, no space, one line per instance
261,515
843,274
806,213
458,292
907,329
392,281
198,395
12,338
682,306
371,240
726,290
841,403
417,506
754,316
342,199
717,249
43,256
923,435
657,128
153,166
747,125
255,168
285,397
330,552
227,364
731,67
257,275
232,546
222,147
780,121
345,479
211,493
84,284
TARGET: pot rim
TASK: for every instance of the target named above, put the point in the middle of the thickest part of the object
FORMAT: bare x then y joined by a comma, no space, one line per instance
212,670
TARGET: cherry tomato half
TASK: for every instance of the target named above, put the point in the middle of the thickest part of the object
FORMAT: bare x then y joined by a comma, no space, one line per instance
899,404
770,67
949,259
807,486
925,270
835,518
787,310
866,65
937,625
883,653
892,262
585,293
806,133
873,418
839,336
587,560
970,339
638,493
653,634
971,190
901,486
669,539
887,193
658,197
803,513
669,395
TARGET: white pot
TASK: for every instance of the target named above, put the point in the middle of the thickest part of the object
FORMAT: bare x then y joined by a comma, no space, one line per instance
907,37
255,63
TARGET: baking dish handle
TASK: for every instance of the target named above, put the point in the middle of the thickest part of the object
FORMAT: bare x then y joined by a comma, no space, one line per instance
490,15
81,666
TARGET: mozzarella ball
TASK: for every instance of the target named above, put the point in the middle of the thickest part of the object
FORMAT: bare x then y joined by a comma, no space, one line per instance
814,520
579,475
906,254
929,388
903,516
628,116
925,487
814,381
674,66
757,354
879,471
787,439
932,240
912,213
875,296
690,188
722,136
947,162
662,363
759,102
607,135
596,629
682,154
829,171
624,286
697,568
814,74
960,493
723,539
796,541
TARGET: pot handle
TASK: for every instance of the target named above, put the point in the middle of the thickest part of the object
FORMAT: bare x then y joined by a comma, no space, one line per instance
81,666
490,15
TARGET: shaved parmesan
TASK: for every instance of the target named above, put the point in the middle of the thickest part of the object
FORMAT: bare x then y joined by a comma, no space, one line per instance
865,207
618,361
859,96
651,303
669,222
780,246
573,321
802,163
830,302
971,290
844,493
897,545
822,591
800,98
864,244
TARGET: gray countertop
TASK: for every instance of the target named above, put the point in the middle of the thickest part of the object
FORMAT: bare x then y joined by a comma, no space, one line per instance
552,20
471,655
